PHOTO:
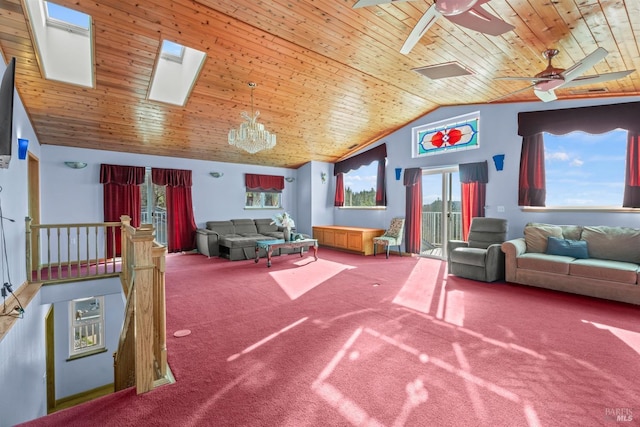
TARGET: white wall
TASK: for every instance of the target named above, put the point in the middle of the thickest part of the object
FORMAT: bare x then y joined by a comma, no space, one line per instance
22,368
22,350
75,195
78,375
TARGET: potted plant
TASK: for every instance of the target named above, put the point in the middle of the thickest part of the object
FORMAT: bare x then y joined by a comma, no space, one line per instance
285,221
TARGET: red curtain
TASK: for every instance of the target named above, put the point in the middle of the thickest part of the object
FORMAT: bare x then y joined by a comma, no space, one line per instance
473,202
381,193
339,199
473,178
255,182
413,200
532,187
632,175
121,196
181,225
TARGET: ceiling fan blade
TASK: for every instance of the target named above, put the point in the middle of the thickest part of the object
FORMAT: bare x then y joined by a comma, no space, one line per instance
478,19
528,79
545,95
366,3
597,78
427,20
587,62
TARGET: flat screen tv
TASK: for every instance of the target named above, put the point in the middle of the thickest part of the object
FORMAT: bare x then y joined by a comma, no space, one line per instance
6,113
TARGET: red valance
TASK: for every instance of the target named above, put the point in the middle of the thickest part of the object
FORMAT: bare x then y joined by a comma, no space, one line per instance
171,177
378,153
474,172
412,176
595,119
264,182
121,175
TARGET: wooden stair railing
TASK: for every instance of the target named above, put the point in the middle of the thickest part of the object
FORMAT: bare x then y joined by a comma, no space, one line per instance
141,361
58,253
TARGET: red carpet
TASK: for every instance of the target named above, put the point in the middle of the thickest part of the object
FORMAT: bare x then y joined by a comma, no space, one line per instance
366,341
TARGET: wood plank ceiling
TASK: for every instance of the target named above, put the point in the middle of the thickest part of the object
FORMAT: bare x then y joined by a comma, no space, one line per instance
330,78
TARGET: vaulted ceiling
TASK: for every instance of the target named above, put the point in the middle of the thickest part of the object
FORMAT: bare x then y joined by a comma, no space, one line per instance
331,79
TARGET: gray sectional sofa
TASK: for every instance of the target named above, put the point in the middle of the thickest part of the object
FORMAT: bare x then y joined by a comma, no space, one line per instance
597,261
236,239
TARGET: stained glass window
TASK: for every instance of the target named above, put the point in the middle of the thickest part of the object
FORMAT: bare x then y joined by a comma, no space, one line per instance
454,134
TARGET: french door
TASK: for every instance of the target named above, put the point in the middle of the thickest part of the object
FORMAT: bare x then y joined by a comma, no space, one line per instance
441,210
154,208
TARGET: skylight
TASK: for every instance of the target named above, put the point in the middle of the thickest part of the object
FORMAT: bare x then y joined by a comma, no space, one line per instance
64,41
172,51
67,19
175,74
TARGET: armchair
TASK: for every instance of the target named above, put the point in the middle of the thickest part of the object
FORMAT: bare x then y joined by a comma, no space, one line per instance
481,257
391,237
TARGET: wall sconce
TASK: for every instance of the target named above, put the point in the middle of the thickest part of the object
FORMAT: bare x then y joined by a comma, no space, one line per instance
323,177
76,165
23,146
498,159
398,173
289,179
216,174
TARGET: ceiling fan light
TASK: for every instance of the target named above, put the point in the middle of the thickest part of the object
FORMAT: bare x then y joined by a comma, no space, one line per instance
454,7
548,85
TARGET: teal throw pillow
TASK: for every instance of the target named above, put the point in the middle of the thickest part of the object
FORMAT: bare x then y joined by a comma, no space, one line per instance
566,247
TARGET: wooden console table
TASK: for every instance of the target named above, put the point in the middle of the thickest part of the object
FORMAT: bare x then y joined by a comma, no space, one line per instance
353,239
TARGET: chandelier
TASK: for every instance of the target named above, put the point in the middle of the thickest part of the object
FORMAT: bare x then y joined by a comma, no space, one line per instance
251,136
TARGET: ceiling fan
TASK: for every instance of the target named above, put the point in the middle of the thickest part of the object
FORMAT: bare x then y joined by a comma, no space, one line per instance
551,78
466,13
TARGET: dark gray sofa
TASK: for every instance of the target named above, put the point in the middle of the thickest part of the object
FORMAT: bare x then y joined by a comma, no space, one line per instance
236,239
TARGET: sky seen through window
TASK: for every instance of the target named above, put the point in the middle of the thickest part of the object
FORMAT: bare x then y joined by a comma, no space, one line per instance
584,169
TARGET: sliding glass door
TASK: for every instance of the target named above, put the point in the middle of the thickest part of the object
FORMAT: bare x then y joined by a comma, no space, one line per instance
441,210
154,208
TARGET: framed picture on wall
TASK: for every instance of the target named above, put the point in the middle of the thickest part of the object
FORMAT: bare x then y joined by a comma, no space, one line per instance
454,134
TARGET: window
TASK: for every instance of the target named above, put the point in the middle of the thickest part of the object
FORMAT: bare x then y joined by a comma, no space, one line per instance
375,158
175,73
585,170
360,186
172,51
454,134
263,191
154,207
263,199
64,42
67,19
87,325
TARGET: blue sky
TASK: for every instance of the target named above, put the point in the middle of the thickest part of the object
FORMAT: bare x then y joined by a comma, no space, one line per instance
362,179
584,169
68,15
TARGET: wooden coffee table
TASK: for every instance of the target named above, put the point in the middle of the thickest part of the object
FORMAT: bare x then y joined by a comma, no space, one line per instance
270,245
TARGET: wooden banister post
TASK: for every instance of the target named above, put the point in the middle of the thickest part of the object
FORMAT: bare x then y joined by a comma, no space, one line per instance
125,221
29,262
142,240
160,309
